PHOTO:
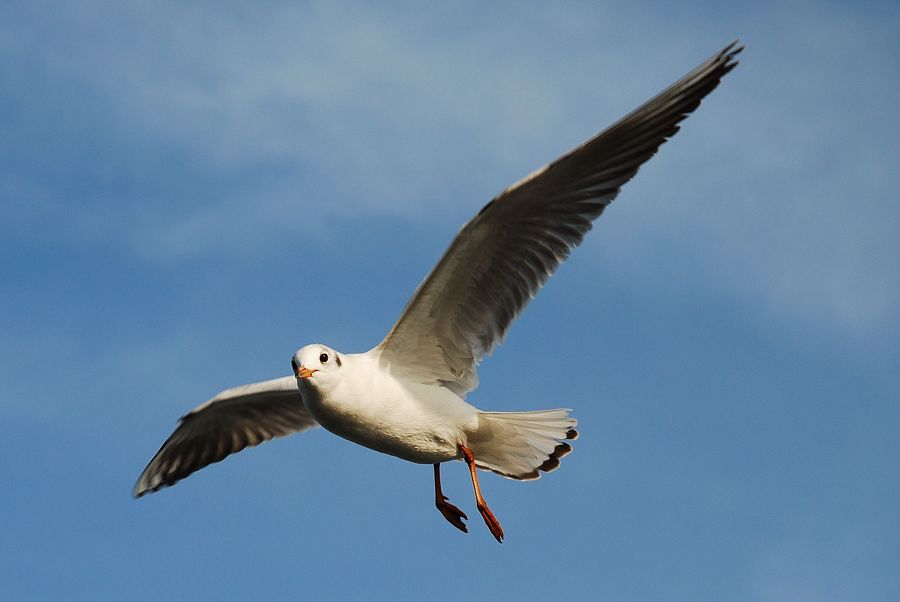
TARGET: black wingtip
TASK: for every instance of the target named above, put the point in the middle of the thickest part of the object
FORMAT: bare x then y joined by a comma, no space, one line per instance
728,55
140,491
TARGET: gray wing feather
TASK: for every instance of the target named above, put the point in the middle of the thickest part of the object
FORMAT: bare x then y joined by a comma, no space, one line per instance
232,420
502,257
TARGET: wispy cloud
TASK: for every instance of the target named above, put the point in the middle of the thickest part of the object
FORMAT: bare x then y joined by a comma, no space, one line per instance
783,194
786,181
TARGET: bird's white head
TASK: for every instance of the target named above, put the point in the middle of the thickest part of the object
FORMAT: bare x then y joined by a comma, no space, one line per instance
317,365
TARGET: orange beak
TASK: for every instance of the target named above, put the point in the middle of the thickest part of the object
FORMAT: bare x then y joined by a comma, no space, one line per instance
303,372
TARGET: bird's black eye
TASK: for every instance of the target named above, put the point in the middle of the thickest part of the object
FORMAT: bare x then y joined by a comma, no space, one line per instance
323,358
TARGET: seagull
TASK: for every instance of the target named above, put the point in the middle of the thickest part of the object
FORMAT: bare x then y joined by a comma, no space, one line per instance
407,396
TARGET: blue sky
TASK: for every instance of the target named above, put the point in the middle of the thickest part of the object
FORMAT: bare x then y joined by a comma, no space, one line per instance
189,194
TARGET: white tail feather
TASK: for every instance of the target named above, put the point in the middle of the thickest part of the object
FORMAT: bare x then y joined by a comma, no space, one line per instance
521,445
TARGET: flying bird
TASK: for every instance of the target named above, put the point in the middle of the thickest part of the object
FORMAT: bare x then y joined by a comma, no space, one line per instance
407,396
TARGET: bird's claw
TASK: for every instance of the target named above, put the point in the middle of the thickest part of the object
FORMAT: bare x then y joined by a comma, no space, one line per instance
453,514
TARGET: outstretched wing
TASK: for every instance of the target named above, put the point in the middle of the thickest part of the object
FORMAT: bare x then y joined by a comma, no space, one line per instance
500,259
232,420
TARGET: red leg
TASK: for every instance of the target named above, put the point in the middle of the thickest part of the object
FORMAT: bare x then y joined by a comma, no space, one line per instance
453,514
492,523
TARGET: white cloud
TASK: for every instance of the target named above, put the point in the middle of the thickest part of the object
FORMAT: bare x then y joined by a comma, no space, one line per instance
780,188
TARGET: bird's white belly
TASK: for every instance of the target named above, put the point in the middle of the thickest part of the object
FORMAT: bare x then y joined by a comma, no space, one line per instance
418,423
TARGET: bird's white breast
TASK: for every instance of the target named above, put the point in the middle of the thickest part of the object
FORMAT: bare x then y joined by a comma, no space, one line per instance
367,405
